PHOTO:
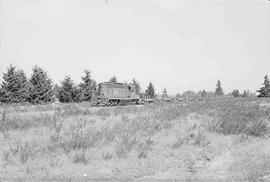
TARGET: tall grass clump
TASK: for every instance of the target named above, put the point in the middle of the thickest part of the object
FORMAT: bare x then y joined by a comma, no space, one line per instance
124,145
76,137
23,151
241,118
191,134
80,157
3,124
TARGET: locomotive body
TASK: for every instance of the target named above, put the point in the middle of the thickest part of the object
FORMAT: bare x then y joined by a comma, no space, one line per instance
111,93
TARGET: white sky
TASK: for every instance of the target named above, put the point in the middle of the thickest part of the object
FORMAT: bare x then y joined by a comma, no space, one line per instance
177,44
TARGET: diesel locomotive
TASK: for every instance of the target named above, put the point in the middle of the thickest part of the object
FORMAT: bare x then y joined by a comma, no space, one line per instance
113,93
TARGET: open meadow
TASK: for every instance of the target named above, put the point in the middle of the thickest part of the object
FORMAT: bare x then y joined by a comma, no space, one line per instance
226,139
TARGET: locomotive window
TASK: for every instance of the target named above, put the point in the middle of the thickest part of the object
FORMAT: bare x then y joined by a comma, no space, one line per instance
129,88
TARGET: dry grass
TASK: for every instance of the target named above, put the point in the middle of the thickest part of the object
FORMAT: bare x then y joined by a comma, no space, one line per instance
154,137
251,164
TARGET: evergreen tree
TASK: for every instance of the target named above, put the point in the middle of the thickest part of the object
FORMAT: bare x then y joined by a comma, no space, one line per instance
219,90
164,93
88,87
68,92
204,95
236,93
137,86
151,91
113,79
2,93
245,93
14,88
41,88
24,84
265,91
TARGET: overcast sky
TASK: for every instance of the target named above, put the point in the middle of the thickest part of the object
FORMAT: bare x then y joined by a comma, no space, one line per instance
177,44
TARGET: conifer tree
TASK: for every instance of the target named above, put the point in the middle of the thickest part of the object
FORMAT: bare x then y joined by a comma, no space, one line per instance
88,87
41,88
219,90
2,93
204,95
265,90
24,86
68,92
151,91
14,87
245,93
236,93
137,86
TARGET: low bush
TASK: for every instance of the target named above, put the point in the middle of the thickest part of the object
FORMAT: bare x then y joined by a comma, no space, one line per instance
239,118
80,157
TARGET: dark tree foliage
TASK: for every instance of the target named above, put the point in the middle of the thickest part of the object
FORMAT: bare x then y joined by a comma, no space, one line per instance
68,92
265,90
88,87
204,94
14,87
236,93
219,90
137,86
113,79
189,94
41,87
150,91
245,93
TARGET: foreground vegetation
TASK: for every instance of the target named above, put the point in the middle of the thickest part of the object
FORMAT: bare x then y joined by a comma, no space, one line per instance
222,139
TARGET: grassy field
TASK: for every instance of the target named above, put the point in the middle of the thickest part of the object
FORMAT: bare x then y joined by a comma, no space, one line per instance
226,139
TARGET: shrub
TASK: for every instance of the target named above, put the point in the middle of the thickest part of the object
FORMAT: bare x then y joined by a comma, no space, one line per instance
80,157
259,128
193,134
240,118
124,145
144,147
25,151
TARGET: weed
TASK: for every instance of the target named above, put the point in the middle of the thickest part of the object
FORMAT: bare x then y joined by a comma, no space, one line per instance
80,157
24,151
194,135
124,145
144,147
107,156
258,128
3,124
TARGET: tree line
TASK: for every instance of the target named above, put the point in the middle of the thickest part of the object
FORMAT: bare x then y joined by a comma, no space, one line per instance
39,88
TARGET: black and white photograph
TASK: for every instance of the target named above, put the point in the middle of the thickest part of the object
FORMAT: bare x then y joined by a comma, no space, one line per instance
134,91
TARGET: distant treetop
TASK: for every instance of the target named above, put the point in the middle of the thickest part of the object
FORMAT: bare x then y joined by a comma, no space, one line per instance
219,90
113,79
265,90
